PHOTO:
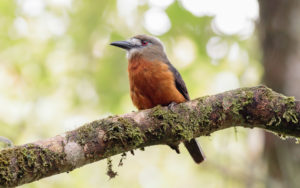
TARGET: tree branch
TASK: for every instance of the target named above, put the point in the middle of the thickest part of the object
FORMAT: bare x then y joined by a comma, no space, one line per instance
246,107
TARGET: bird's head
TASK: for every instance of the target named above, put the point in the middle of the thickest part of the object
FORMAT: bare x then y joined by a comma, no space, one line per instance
144,46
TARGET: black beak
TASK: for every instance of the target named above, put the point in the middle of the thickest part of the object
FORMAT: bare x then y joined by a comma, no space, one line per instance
123,44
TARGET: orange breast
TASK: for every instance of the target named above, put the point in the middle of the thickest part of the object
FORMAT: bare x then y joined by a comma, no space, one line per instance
151,84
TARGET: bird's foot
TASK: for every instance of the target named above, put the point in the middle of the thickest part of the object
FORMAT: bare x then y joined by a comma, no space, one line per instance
171,106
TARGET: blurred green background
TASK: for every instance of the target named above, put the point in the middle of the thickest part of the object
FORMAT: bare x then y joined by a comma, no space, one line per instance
58,71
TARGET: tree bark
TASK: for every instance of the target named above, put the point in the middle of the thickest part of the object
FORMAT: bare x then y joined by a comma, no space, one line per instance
246,107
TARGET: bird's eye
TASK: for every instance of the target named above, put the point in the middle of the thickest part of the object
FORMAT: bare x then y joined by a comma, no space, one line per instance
144,43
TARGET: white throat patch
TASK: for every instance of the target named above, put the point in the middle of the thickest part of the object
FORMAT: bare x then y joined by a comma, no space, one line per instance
131,52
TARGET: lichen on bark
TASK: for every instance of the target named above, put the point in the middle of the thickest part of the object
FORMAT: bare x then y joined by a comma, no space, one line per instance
29,159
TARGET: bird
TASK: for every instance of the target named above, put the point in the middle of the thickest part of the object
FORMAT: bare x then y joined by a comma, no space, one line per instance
155,81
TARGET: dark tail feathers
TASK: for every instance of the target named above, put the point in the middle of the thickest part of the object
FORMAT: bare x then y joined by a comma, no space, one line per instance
195,150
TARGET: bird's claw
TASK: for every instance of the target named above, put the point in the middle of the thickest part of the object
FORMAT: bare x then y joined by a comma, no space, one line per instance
171,106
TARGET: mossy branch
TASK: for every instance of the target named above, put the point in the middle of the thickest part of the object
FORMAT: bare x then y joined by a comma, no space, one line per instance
246,107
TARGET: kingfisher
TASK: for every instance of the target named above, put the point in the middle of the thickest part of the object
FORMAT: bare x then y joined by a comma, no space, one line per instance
155,81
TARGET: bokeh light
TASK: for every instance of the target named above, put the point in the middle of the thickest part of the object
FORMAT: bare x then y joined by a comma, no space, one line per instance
157,21
230,17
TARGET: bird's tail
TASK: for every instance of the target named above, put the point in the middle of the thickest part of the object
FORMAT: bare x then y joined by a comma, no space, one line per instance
195,150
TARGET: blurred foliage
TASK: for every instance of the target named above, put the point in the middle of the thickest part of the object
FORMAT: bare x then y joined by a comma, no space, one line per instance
58,71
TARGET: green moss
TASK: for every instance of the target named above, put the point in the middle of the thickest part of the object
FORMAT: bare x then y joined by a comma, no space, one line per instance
119,134
290,114
284,108
206,110
30,159
244,97
274,121
110,172
131,132
236,102
122,135
85,133
171,121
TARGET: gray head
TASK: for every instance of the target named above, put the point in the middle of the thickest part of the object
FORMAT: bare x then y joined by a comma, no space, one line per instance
145,46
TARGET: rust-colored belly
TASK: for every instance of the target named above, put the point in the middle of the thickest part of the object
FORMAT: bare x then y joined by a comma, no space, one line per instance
152,84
